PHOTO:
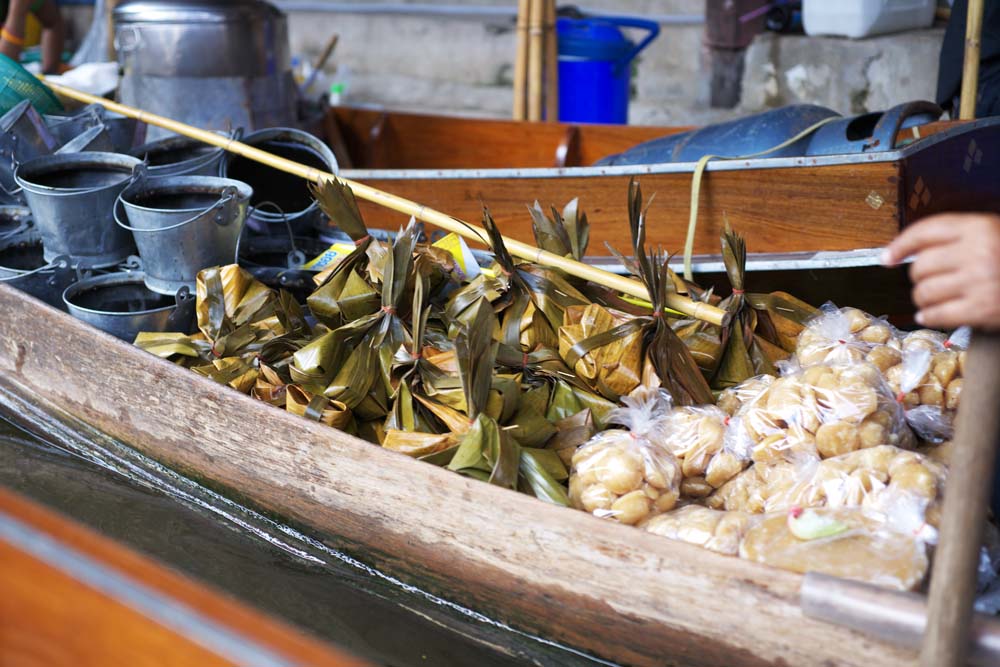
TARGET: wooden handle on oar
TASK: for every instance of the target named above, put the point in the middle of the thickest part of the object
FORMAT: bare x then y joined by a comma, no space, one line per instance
682,304
970,68
966,498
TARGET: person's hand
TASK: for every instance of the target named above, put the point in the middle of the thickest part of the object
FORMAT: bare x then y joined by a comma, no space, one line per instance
956,269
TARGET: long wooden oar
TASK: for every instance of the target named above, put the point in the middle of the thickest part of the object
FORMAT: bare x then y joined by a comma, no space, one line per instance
963,517
682,304
970,66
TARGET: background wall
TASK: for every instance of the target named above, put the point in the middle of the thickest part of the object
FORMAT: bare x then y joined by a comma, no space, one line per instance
464,65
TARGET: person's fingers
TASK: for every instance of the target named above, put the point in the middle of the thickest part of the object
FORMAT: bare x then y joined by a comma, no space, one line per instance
934,261
947,315
930,232
939,288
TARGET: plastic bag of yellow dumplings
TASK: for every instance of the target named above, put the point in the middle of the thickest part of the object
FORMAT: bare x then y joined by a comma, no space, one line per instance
697,436
732,399
843,336
628,475
852,543
928,381
715,530
820,411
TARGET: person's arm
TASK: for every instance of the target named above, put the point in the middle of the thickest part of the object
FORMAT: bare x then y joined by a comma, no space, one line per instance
956,269
53,36
12,35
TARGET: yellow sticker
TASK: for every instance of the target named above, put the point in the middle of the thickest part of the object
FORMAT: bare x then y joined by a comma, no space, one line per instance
455,245
330,256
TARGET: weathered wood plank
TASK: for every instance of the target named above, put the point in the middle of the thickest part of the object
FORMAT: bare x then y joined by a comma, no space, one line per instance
53,615
620,593
416,141
841,207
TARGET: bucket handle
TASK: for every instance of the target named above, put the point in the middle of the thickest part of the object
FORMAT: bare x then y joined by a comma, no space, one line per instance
296,257
892,120
228,195
652,27
14,165
138,171
61,262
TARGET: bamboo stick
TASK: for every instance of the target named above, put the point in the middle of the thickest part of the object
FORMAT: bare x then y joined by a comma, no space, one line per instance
521,61
695,309
963,517
970,71
536,54
551,63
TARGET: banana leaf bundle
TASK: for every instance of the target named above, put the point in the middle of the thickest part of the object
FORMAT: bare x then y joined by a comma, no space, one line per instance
664,360
763,327
565,234
536,298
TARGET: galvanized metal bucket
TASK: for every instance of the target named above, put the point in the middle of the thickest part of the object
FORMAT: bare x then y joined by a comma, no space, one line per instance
125,133
96,138
121,305
23,266
23,135
183,224
278,262
179,156
282,202
72,199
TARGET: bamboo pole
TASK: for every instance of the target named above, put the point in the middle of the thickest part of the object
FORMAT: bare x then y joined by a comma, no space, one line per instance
551,63
682,304
970,71
963,517
536,55
521,61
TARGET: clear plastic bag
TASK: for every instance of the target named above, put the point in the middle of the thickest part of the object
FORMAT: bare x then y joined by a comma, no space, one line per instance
842,336
696,435
628,476
928,381
852,543
818,412
711,529
732,399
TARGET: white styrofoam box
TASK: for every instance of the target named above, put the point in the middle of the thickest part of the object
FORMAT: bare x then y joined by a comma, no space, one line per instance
863,18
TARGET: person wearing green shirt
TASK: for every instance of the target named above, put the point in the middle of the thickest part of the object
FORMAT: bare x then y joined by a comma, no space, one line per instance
47,12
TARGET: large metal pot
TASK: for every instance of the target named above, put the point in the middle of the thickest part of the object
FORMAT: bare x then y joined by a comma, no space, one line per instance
216,64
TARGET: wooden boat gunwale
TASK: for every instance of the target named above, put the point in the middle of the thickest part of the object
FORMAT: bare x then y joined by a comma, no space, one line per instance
618,592
738,164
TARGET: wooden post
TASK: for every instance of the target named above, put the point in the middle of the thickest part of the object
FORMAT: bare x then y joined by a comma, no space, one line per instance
970,71
551,63
536,55
521,61
967,494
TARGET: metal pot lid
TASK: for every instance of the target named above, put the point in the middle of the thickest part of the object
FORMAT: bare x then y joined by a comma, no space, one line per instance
194,11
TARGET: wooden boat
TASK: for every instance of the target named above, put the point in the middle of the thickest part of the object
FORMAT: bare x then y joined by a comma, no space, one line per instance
852,201
75,599
619,593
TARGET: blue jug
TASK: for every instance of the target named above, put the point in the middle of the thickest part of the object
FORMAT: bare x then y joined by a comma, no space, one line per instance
595,66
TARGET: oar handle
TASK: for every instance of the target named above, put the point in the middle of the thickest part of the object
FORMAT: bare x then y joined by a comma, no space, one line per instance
967,492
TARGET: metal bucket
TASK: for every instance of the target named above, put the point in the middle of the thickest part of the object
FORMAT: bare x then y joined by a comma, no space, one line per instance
94,138
72,199
121,305
179,156
23,266
290,203
125,132
277,262
183,224
23,135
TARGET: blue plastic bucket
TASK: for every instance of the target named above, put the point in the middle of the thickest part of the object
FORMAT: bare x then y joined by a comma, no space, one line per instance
595,61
